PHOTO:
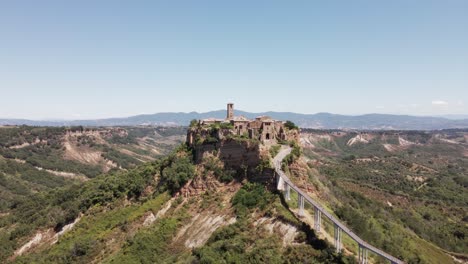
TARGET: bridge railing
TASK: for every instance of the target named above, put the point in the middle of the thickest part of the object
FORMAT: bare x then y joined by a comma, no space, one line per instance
284,183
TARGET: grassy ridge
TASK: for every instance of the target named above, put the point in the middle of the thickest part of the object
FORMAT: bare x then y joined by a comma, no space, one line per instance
56,208
243,242
410,201
111,230
90,235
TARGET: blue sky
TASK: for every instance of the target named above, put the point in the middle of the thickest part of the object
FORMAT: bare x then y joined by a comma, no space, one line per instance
94,59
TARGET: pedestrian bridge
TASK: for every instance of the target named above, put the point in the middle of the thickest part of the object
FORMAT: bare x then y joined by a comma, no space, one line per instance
286,185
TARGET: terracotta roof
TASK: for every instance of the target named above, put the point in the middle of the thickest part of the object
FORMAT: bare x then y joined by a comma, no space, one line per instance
212,120
240,118
263,117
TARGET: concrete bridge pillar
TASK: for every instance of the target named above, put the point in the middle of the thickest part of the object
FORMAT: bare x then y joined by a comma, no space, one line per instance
280,183
338,244
317,219
288,192
362,255
301,205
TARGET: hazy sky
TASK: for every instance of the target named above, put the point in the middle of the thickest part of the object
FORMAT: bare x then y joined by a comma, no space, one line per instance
92,59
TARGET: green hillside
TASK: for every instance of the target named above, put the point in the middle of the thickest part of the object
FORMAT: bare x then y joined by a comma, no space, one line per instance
35,159
112,210
402,192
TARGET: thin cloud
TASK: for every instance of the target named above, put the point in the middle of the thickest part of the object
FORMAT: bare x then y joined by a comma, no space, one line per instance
439,103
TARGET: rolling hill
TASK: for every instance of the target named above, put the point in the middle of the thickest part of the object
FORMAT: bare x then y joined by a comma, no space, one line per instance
138,202
319,120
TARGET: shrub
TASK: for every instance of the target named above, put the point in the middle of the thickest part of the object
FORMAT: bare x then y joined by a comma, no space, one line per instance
176,170
274,150
251,195
226,126
193,123
290,125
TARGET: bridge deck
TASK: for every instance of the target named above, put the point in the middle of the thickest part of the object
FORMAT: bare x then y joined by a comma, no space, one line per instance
277,162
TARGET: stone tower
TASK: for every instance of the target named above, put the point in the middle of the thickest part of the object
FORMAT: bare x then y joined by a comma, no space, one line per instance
230,111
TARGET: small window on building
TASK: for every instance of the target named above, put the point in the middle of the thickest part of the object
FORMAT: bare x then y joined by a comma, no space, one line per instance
267,136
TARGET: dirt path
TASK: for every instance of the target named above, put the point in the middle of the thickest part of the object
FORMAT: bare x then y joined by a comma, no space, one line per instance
64,174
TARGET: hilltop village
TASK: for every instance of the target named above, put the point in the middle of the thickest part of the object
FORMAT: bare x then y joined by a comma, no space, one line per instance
240,143
263,128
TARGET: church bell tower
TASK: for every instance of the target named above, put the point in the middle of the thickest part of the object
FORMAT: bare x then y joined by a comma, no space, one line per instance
230,111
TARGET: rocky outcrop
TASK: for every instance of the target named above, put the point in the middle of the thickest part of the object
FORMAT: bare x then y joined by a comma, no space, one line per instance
235,154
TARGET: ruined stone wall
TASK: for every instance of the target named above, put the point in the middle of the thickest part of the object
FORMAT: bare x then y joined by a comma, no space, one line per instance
236,154
233,153
240,153
240,127
256,124
242,156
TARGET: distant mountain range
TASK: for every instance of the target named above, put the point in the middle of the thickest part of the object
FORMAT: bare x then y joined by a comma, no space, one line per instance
319,120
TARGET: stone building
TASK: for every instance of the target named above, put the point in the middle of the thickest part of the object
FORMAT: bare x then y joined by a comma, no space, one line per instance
263,128
239,142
